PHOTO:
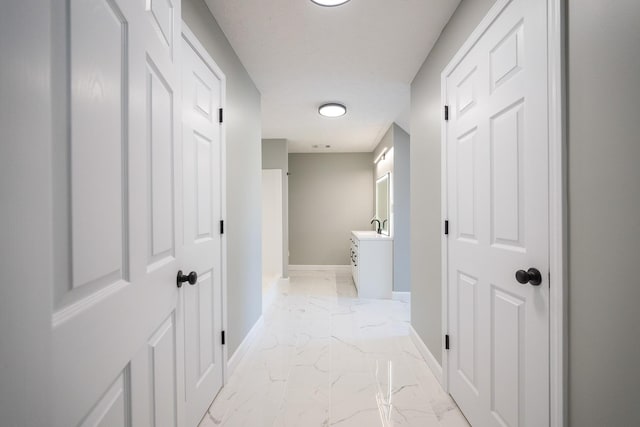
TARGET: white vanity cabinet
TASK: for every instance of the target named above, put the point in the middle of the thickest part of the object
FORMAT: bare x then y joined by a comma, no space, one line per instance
372,264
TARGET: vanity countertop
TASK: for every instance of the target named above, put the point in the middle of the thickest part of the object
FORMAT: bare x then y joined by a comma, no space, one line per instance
370,235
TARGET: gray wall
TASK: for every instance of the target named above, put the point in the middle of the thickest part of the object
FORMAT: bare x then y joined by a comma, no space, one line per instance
604,212
426,229
275,155
244,176
397,162
402,217
329,195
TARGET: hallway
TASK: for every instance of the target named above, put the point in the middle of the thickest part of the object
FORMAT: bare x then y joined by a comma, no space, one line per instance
325,357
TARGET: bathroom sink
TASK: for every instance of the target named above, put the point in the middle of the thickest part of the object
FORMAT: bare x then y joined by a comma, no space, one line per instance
370,235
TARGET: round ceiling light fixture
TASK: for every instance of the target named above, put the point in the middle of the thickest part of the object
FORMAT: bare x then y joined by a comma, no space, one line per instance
332,109
329,3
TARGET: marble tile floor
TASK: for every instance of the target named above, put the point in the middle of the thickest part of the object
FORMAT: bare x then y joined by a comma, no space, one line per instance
327,358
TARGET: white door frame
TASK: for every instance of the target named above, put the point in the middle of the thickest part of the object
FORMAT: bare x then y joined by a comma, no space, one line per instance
558,336
193,41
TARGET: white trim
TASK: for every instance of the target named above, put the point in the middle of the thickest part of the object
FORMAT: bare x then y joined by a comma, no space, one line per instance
486,22
346,268
191,39
428,357
69,312
401,296
444,239
238,356
558,311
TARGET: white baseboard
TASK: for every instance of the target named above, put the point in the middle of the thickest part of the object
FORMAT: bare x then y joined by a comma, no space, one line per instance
401,296
269,292
243,348
320,268
428,357
282,281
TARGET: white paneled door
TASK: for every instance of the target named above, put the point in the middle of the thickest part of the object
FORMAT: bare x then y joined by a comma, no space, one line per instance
202,85
117,179
498,209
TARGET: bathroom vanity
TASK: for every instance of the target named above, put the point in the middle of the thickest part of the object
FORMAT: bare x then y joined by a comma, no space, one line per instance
372,264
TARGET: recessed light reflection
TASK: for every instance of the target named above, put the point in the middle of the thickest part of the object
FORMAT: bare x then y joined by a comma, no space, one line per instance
329,3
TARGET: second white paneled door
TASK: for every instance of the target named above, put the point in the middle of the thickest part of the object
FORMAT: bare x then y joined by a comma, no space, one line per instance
202,136
498,207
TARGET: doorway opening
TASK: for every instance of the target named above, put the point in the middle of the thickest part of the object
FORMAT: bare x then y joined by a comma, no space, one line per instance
272,234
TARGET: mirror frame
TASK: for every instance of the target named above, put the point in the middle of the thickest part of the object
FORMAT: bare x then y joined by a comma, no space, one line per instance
385,177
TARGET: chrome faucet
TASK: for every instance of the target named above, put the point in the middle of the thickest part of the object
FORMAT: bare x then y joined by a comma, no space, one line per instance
379,229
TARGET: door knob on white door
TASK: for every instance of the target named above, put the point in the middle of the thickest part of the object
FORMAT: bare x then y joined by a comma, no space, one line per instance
531,276
192,278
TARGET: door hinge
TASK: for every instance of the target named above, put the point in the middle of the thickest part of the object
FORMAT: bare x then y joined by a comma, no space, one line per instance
223,339
446,342
220,117
446,227
222,226
446,112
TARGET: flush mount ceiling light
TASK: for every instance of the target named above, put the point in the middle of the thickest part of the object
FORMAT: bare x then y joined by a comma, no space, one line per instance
332,109
329,3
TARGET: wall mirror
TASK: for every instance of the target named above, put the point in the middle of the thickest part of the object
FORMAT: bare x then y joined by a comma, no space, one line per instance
382,202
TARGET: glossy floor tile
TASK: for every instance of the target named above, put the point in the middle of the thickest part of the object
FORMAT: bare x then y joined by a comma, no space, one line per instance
327,358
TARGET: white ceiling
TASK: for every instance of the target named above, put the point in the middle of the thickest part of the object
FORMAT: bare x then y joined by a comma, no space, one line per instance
363,54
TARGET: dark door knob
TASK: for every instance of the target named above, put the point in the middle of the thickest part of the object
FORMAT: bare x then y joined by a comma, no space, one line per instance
192,278
531,276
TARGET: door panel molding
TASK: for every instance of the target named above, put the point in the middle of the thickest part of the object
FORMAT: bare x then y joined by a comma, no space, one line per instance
163,349
114,406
